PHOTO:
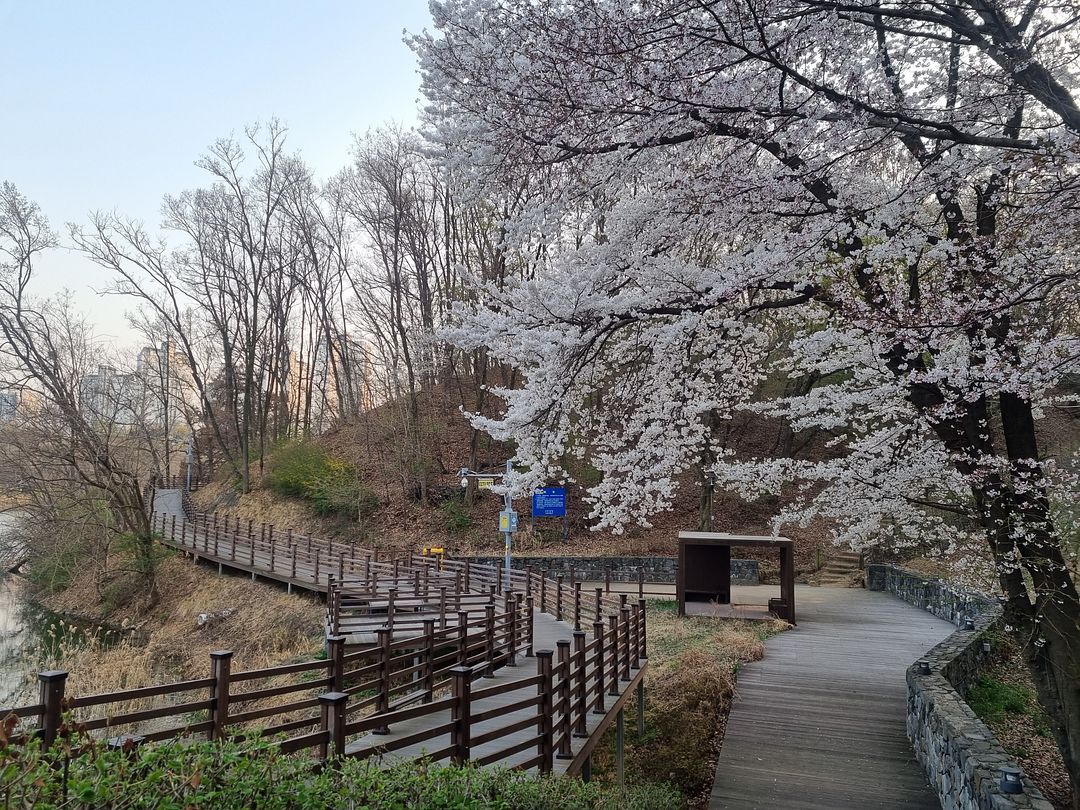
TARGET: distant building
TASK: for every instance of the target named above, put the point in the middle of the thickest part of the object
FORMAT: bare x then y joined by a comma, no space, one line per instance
155,396
9,405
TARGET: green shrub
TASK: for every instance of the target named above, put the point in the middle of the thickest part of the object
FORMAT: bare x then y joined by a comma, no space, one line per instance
992,699
456,519
295,468
251,773
305,470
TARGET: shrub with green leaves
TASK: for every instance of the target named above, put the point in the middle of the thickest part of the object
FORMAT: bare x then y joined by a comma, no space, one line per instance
305,470
252,773
456,518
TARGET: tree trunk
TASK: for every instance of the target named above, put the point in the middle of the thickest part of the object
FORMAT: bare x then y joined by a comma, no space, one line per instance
1051,620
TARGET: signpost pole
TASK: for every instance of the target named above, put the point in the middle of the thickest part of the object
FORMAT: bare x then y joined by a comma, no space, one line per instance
190,448
508,507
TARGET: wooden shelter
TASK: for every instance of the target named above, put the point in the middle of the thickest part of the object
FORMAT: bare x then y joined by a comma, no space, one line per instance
704,573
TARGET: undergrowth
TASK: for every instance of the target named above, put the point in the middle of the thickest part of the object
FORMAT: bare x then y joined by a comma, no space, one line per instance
689,686
306,471
252,773
993,700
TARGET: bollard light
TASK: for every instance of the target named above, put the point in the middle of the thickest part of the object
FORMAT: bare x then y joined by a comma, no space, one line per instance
1011,781
969,624
924,668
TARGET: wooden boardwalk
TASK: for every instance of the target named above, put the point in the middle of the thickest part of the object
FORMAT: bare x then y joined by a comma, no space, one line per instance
593,678
819,723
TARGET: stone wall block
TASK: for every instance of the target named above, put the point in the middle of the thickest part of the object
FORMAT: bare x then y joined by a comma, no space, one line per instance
959,754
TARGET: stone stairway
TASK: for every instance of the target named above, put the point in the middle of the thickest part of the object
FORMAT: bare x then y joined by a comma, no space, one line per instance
843,569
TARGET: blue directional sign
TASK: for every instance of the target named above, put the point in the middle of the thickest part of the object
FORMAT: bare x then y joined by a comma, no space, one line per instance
549,502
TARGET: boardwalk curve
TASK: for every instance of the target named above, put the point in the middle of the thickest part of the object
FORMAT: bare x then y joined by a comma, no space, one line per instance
819,722
543,668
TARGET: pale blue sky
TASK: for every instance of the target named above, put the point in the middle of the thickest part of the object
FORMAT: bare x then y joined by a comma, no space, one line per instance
106,105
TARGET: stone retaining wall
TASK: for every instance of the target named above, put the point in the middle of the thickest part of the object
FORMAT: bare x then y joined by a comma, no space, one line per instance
960,755
623,569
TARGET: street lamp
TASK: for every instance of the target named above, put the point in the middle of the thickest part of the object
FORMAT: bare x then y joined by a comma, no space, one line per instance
508,518
190,453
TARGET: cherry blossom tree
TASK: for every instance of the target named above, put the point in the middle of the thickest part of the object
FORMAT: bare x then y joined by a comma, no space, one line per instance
892,182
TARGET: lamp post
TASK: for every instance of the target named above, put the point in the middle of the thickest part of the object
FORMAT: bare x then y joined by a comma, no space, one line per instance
190,452
508,518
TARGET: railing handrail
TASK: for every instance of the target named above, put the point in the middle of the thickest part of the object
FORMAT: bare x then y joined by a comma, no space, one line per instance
408,669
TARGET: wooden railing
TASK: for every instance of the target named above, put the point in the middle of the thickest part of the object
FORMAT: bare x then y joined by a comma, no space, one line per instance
423,630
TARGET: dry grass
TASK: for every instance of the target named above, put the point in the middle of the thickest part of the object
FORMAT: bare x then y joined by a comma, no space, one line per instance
1022,727
693,662
266,627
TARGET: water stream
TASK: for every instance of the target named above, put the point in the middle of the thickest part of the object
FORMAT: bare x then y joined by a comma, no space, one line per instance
16,637
25,631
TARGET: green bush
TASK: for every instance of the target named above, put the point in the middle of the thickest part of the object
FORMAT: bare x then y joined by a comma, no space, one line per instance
456,519
992,699
251,773
305,470
295,468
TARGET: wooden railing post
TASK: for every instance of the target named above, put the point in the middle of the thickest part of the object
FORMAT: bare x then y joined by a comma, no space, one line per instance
511,619
335,617
613,654
529,608
463,637
382,701
599,603
273,549
391,597
172,529
489,638
442,607
333,723
598,634
335,654
220,669
461,714
429,660
607,579
643,650
543,594
641,582
545,721
565,704
51,684
558,597
625,615
577,606
579,684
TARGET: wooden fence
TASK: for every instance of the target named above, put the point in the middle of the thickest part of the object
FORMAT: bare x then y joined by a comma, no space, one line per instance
406,639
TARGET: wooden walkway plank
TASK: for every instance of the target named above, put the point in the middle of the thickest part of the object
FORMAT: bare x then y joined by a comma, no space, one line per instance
819,722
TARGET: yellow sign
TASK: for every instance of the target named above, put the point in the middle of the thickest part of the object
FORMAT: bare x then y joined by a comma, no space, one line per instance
485,483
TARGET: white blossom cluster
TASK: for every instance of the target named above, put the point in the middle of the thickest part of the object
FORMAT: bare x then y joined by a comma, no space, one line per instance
735,193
